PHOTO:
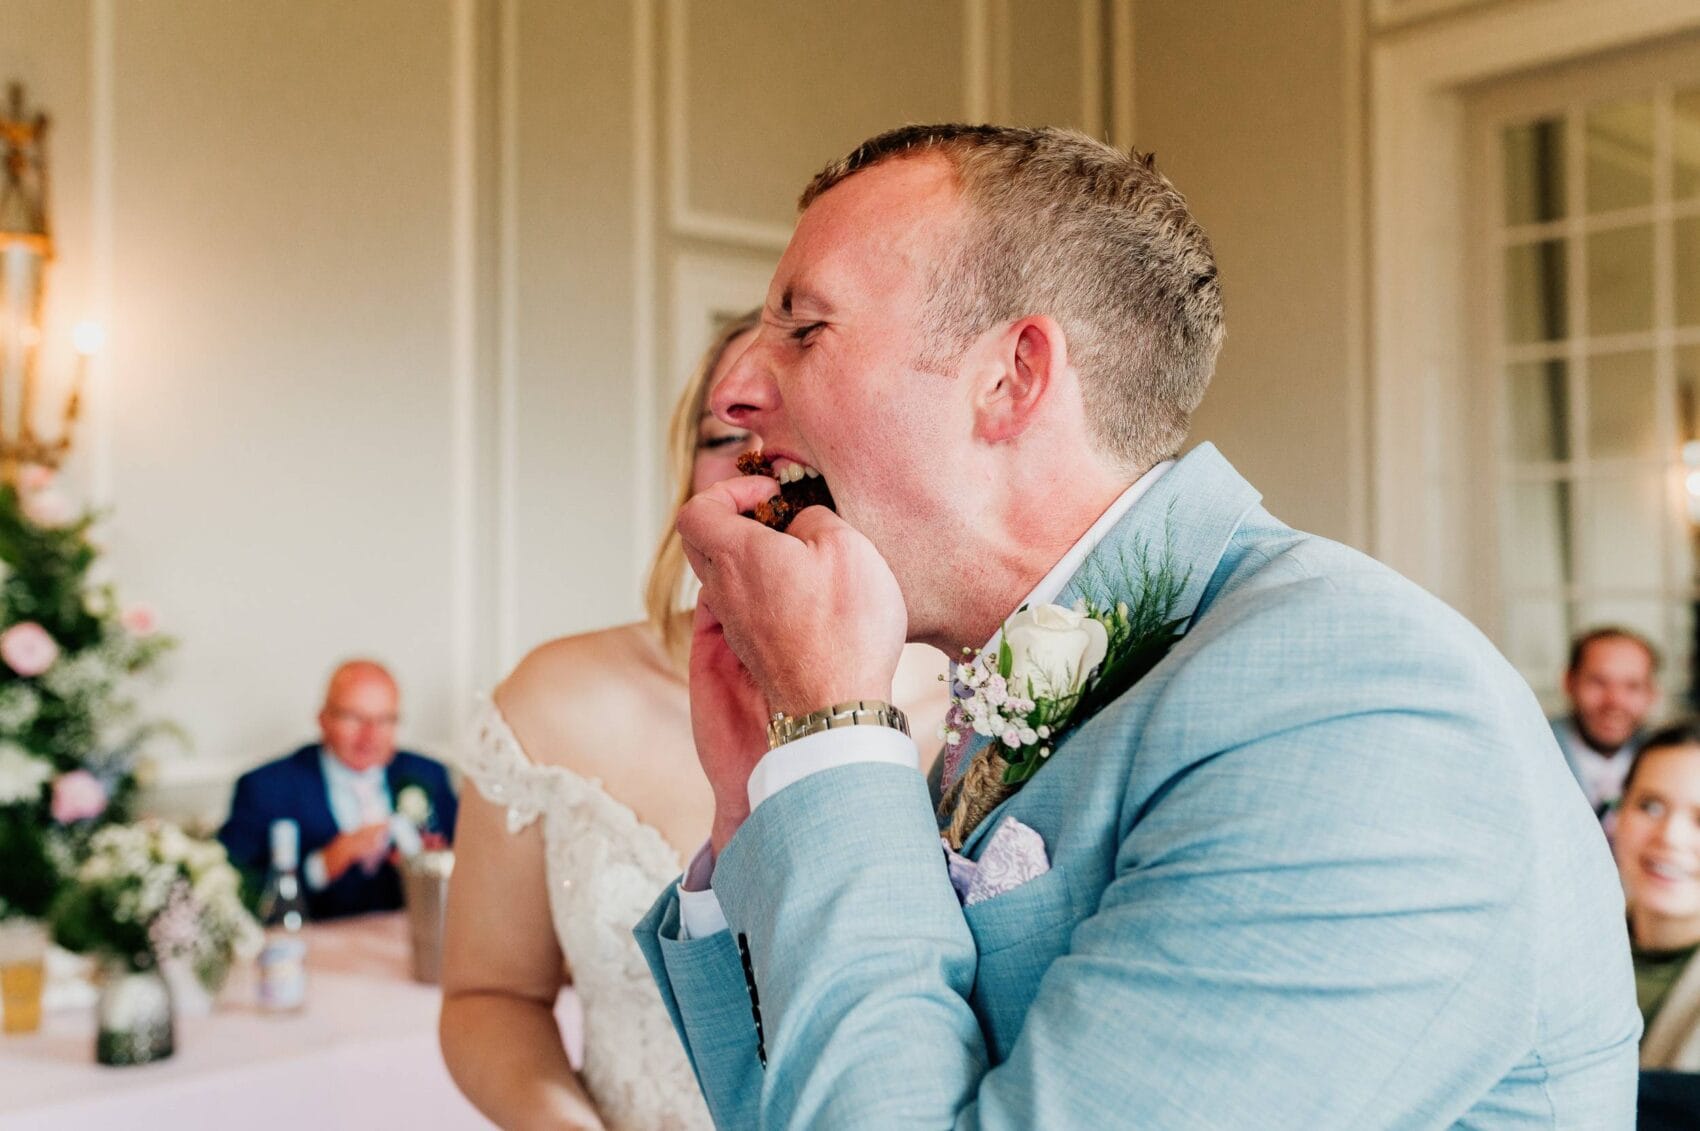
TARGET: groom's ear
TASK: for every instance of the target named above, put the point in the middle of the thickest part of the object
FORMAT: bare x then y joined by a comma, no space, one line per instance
1024,368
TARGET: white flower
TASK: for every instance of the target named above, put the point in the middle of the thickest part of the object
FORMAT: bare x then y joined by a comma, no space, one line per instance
49,509
174,846
1054,650
19,705
22,774
412,803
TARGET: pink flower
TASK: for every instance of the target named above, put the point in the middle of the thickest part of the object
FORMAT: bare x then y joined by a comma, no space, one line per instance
48,509
139,620
77,796
33,477
27,649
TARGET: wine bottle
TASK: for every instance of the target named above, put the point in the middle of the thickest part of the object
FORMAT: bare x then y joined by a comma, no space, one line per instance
283,912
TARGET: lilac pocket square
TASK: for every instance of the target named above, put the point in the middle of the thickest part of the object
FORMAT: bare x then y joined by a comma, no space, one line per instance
1014,854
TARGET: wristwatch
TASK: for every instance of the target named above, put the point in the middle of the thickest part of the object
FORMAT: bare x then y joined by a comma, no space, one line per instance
783,728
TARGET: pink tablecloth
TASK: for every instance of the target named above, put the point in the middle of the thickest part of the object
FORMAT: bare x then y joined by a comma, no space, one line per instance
363,1055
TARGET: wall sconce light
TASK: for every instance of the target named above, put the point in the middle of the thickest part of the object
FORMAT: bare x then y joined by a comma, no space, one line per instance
26,250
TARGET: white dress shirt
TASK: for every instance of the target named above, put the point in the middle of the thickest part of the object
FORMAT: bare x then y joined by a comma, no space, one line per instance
357,798
700,914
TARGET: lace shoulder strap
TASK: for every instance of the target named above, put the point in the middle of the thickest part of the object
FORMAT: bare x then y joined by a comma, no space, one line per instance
493,760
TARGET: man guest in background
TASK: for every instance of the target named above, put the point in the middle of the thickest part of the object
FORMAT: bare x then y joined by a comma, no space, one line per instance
357,800
1612,684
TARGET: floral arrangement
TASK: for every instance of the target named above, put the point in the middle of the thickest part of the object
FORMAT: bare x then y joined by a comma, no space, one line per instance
70,736
148,894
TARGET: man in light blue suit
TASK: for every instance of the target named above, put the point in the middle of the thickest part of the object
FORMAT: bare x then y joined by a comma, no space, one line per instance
1321,867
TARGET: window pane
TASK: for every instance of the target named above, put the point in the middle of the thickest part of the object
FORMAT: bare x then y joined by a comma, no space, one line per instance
1620,281
1688,271
1678,672
1534,171
1535,292
1648,616
1686,143
1539,411
1619,155
1619,544
1537,641
1622,406
1537,531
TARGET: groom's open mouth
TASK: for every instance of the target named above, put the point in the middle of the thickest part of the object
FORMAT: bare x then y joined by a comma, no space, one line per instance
800,486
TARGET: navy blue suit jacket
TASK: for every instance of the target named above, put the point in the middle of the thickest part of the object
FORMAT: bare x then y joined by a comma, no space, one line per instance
293,787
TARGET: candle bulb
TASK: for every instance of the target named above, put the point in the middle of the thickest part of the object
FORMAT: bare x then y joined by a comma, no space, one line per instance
88,338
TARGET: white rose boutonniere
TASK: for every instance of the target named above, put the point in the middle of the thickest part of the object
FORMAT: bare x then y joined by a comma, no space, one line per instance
413,804
1053,650
1053,668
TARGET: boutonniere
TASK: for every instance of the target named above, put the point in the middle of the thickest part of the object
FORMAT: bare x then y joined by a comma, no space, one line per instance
414,804
1054,668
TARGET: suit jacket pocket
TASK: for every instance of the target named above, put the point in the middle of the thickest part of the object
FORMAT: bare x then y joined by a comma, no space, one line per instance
1018,935
1039,905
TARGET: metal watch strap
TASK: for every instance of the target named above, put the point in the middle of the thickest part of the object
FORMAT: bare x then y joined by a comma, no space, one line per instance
783,728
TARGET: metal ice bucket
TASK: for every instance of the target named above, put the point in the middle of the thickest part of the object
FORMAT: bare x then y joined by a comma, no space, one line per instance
425,885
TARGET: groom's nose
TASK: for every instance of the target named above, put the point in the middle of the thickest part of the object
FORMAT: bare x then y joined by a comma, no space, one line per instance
747,391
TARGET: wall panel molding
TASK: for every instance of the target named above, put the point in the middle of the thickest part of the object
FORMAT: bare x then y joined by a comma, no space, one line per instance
463,357
507,336
645,444
684,218
103,115
1123,121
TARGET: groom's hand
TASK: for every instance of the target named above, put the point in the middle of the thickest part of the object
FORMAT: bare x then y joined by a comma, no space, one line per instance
813,616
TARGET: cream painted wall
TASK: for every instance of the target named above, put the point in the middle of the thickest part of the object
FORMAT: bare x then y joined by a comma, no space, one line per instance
400,293
1246,108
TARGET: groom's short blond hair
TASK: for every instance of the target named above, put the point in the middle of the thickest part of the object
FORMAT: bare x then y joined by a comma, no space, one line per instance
1063,225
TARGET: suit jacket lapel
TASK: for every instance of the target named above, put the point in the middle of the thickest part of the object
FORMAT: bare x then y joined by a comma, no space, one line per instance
318,819
1188,516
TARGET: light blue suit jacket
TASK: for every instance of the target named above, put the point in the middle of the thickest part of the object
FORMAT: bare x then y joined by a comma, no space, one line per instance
1323,867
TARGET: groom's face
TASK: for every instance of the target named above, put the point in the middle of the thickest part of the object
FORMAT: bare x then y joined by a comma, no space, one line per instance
831,379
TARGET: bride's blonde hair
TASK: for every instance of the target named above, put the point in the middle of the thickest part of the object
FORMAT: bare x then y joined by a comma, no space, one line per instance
664,591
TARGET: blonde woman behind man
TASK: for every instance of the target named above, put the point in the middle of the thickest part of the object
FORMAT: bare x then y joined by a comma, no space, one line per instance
589,799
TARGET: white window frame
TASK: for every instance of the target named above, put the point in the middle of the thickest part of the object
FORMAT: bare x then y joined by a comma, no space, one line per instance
1565,94
1427,506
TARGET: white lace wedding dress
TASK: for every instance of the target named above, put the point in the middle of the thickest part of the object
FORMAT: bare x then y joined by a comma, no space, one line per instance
605,869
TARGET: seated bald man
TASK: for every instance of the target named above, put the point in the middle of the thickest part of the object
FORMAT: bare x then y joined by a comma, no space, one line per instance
357,800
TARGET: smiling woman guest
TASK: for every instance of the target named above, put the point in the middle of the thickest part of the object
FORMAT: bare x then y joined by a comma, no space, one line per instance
1658,855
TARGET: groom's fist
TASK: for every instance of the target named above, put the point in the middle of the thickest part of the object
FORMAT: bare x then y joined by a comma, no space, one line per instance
814,614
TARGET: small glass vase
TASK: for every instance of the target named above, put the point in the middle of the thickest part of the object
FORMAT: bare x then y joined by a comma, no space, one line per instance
135,1021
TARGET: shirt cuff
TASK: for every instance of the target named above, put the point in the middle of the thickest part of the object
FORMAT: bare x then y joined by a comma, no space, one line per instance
699,908
826,750
313,870
405,837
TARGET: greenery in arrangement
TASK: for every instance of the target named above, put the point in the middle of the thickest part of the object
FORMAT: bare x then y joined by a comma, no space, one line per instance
147,893
70,732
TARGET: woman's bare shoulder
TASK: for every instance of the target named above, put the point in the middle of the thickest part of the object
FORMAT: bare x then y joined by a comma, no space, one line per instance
569,695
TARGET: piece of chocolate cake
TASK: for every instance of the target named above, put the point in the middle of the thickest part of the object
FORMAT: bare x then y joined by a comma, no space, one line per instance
777,512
